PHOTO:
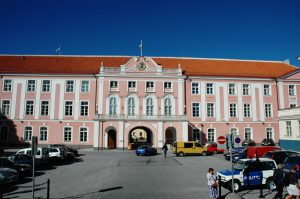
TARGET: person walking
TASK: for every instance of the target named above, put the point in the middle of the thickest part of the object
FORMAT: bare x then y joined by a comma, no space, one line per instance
212,183
165,149
279,181
293,188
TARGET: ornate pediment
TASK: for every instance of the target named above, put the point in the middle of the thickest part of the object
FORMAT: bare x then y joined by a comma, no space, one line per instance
141,65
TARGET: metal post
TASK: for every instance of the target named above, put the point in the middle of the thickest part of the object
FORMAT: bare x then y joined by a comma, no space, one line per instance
230,148
260,186
48,188
33,172
220,194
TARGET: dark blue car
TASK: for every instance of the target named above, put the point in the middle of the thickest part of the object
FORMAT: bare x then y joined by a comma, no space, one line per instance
292,161
145,150
22,159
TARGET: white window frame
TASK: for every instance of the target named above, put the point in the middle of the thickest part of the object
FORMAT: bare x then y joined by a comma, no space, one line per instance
48,107
267,91
113,85
246,89
231,89
210,90
168,107
292,90
209,113
131,106
168,86
64,134
268,132
65,108
31,85
70,86
195,88
288,128
233,110
247,110
85,88
43,133
4,110
234,128
150,106
112,106
268,110
25,135
31,107
251,133
211,133
80,134
196,113
7,86
46,87
86,106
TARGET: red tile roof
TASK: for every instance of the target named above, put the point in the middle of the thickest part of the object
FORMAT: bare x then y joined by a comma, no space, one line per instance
13,64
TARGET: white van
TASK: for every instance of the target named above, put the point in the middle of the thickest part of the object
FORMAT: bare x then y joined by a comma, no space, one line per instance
42,155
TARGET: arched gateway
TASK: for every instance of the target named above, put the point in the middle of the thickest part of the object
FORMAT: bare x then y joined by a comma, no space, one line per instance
140,136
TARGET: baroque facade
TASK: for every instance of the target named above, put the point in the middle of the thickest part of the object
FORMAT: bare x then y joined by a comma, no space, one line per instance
119,101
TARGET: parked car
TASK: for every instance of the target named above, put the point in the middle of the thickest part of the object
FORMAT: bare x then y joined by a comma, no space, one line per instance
22,169
146,150
57,153
69,149
248,142
22,159
268,142
189,148
8,175
213,148
279,156
41,157
290,162
249,173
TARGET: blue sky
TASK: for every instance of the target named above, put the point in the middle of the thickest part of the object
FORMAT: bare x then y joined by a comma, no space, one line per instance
230,29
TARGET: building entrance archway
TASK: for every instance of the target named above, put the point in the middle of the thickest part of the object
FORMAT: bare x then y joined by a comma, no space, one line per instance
111,139
170,135
140,136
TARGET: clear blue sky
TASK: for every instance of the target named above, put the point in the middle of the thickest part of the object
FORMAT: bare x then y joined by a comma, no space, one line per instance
231,29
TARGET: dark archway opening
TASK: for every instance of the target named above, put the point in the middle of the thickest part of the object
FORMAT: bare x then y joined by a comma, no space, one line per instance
170,136
140,136
112,139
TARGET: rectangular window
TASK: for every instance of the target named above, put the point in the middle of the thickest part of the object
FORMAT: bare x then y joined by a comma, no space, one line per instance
5,107
211,135
131,84
149,84
69,86
246,89
232,110
292,90
196,109
85,86
67,134
46,86
113,84
195,88
7,85
209,88
83,134
210,110
267,90
68,108
168,85
268,110
43,133
289,128
31,85
248,134
269,133
247,110
231,89
27,133
44,108
29,108
84,108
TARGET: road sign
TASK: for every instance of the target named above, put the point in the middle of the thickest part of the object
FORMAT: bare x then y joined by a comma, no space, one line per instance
221,140
237,140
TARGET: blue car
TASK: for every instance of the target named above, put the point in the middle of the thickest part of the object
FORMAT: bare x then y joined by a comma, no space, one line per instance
22,159
145,150
292,161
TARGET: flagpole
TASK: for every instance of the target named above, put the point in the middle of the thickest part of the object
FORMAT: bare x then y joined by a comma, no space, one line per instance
141,47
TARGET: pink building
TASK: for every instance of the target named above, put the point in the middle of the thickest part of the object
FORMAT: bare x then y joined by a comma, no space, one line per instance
116,101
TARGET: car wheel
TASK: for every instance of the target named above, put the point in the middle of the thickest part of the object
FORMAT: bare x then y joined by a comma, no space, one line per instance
270,184
181,154
215,151
204,153
236,185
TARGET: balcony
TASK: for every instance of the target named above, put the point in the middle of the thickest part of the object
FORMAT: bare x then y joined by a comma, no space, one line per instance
105,117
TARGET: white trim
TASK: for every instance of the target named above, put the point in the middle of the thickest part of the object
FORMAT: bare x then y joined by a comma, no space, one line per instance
53,99
25,107
180,97
3,85
226,103
261,101
273,132
192,111
281,95
169,90
100,95
42,85
118,111
96,134
203,101
73,107
215,134
39,136
76,99
199,89
79,111
114,89
61,99
253,99
87,134
24,132
237,132
213,111
40,108
89,85
137,104
154,104
63,134
10,106
134,89
37,99
121,137
251,135
240,101
218,103
184,131
172,104
74,85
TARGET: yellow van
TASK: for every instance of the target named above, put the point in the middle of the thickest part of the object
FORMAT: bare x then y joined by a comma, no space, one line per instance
189,148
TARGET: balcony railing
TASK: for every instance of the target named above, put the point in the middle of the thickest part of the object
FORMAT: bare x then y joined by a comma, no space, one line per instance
116,117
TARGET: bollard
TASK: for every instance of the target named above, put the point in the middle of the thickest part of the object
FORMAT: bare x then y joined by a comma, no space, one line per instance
220,194
48,188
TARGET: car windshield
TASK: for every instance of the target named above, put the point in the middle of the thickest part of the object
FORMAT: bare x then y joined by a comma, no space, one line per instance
240,165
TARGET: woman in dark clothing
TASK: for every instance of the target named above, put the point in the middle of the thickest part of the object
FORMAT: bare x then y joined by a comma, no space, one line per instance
279,181
165,149
293,188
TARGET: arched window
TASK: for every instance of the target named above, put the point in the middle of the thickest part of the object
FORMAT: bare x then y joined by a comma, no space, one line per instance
269,132
149,106
168,106
27,133
131,106
83,134
211,135
112,106
43,133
